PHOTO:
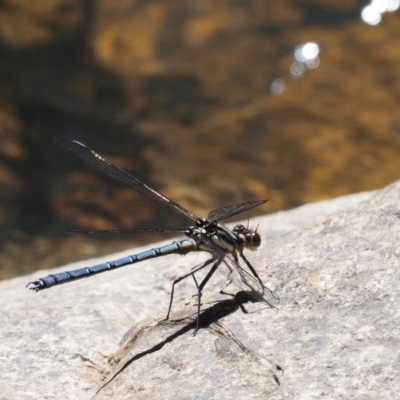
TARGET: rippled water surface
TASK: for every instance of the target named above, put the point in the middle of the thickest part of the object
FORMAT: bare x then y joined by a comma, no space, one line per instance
212,103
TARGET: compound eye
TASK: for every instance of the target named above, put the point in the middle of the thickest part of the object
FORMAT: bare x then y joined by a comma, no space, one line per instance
255,240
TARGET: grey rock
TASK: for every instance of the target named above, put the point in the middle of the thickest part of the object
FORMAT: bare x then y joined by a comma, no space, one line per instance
334,264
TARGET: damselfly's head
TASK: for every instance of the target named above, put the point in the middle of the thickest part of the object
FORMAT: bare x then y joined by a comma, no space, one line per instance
251,239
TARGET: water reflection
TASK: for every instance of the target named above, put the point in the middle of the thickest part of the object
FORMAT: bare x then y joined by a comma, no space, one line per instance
372,13
277,86
306,57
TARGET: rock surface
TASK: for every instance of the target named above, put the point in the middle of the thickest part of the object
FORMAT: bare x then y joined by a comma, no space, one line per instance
334,264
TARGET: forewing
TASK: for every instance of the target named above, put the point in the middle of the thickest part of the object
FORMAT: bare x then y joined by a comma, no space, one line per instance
100,163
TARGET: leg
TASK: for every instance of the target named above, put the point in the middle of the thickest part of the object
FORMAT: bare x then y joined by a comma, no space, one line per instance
200,288
198,268
253,271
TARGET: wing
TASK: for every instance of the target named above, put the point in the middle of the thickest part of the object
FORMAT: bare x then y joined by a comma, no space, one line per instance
229,211
243,280
119,231
100,163
240,277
